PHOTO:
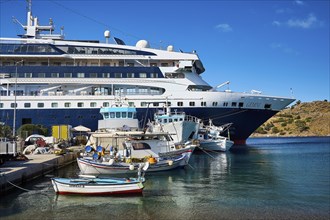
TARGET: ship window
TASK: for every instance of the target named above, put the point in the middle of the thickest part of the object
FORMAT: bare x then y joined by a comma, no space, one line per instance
81,75
140,146
44,63
143,75
28,75
112,115
180,103
105,75
41,75
55,75
153,64
124,114
67,104
180,119
117,114
240,104
13,105
27,105
131,104
67,75
143,104
164,120
130,75
40,105
203,103
130,64
93,104
170,120
153,75
164,64
80,104
214,103
233,104
106,115
191,103
130,114
54,104
93,75
105,104
1,105
118,75
225,104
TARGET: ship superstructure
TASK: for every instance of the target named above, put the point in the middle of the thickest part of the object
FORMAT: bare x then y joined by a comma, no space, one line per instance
48,80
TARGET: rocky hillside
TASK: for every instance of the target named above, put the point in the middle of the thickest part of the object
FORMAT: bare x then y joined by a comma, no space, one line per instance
301,119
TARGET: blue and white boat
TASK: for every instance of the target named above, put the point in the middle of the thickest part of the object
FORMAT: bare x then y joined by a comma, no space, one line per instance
50,81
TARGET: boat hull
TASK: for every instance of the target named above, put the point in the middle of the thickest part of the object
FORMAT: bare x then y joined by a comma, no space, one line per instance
89,166
70,186
244,121
216,145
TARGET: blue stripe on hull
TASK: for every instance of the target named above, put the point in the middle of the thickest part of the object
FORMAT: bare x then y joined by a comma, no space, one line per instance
245,121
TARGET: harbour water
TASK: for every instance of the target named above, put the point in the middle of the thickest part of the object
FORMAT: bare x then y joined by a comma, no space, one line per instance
270,178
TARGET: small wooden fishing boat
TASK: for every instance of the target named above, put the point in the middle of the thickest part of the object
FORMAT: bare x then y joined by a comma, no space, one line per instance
92,185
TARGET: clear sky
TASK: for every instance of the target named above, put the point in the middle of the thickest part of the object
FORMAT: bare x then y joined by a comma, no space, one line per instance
270,46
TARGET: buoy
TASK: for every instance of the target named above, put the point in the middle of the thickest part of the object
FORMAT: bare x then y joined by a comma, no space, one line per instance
131,167
170,162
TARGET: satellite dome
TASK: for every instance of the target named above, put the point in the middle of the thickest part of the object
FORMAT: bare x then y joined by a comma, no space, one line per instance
106,34
142,44
170,48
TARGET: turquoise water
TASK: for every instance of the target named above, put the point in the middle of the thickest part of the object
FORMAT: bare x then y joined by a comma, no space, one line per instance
270,178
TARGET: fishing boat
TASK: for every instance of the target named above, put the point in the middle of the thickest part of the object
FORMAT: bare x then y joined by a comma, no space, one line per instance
92,185
92,166
59,81
210,138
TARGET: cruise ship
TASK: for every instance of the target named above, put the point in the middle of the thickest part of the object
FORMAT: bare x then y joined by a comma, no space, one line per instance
47,80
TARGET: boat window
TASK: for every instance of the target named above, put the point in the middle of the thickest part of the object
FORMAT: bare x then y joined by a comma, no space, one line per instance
40,105
143,104
153,64
27,105
214,103
164,64
106,115
141,146
41,75
175,119
170,120
164,120
155,104
153,75
55,75
67,75
13,105
81,75
203,103
143,75
130,75
93,75
124,114
175,75
233,104
180,103
1,105
54,104
130,114
92,104
191,103
67,104
199,88
134,115
117,114
240,104
118,75
105,104
112,115
180,119
225,104
80,104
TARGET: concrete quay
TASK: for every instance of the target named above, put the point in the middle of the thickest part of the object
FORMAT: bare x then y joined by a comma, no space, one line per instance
19,172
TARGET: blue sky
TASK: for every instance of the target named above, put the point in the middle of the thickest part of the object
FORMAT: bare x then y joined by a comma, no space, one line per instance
270,46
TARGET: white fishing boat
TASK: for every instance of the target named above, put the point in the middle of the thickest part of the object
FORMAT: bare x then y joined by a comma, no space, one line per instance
210,138
179,125
92,185
92,166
